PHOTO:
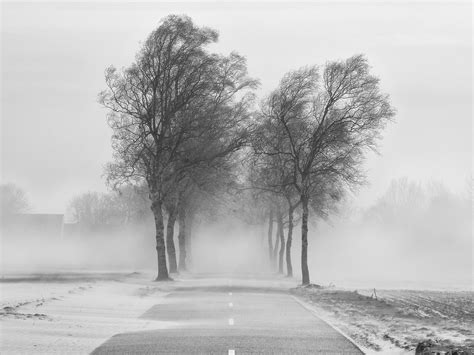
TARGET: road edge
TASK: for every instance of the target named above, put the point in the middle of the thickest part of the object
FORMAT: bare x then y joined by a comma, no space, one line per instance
309,308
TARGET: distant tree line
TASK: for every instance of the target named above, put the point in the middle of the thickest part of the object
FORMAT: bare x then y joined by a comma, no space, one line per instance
13,200
125,206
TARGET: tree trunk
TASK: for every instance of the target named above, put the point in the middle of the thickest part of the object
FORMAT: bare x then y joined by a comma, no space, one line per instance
188,237
182,239
270,237
289,239
276,245
156,207
304,242
170,247
282,243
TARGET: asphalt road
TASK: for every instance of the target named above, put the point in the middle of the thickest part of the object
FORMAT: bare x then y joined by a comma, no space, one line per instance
231,320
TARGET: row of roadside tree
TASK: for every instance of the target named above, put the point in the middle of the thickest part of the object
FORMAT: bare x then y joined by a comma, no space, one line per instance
188,129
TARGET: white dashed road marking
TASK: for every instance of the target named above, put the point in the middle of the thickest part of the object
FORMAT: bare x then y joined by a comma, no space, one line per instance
231,320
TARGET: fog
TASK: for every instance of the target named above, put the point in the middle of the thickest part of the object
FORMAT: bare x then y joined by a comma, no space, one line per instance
229,248
421,51
390,233
126,250
416,236
423,242
226,247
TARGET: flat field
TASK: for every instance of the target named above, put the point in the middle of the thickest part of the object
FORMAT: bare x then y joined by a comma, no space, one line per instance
395,321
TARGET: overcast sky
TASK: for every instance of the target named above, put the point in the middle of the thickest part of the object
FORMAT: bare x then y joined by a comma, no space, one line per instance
55,140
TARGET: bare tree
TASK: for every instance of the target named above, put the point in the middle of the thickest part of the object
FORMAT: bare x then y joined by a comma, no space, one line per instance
13,200
281,237
171,207
126,205
323,126
170,96
133,202
261,178
206,189
270,235
94,209
273,174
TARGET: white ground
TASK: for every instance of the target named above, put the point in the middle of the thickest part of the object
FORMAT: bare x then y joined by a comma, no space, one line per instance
73,313
397,320
71,317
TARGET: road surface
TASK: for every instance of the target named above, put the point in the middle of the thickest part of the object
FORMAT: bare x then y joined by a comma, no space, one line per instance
231,320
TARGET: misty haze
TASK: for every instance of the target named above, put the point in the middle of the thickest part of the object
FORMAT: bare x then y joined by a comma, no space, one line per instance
236,178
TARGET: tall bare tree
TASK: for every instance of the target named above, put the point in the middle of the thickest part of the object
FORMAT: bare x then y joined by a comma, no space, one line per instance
273,174
172,95
261,178
325,123
270,235
171,207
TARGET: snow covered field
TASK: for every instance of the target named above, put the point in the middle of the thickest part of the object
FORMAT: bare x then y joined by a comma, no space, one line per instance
73,312
397,320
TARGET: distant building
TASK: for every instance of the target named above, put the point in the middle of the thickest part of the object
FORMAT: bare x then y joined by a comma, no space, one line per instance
50,226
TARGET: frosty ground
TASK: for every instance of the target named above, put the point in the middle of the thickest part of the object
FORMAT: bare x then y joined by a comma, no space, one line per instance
395,321
75,312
